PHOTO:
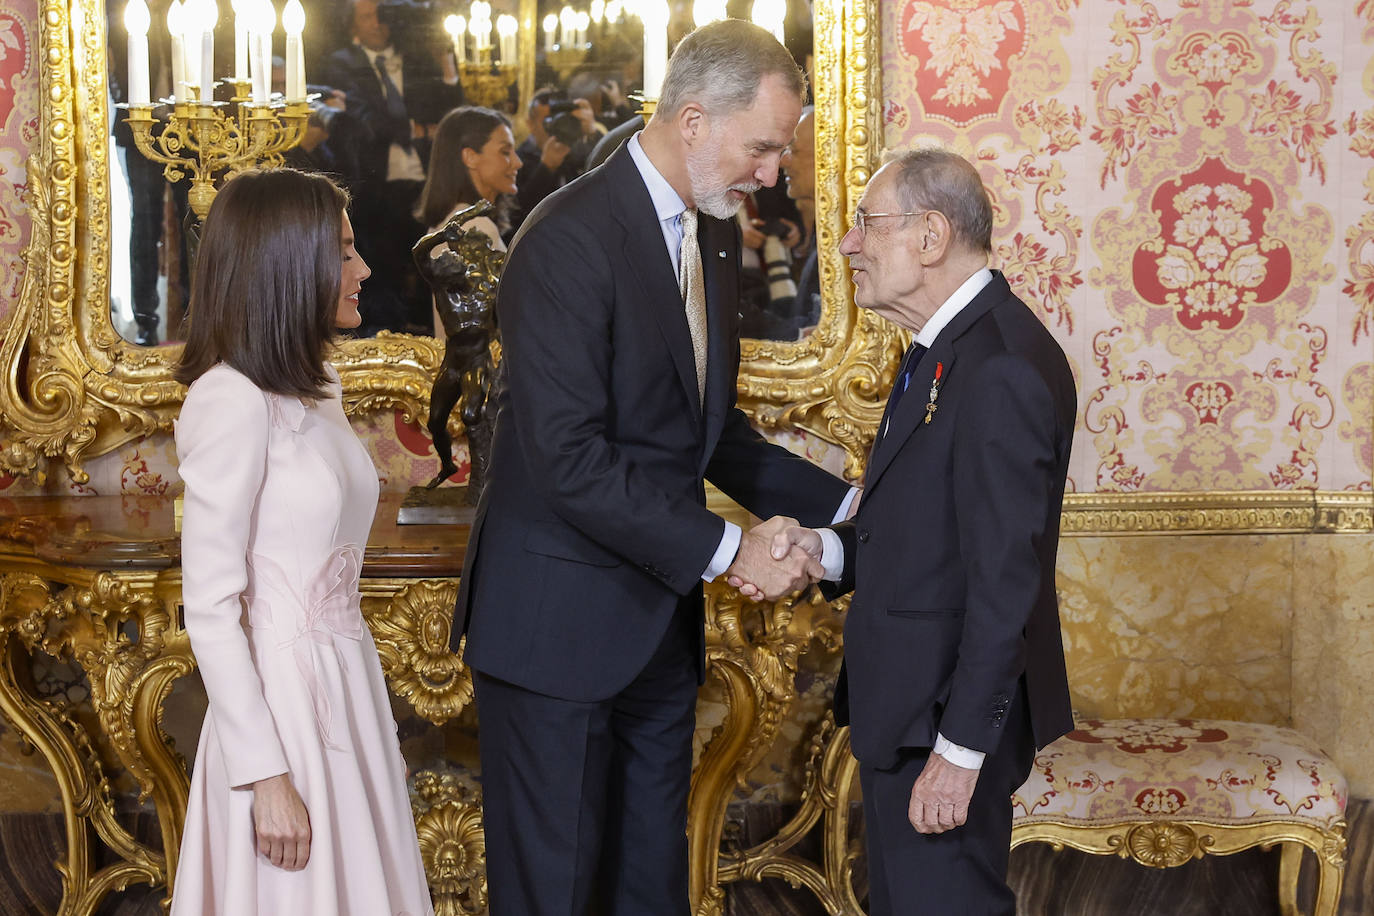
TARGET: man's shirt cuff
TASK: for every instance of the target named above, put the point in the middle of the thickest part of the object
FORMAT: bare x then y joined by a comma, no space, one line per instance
958,755
832,554
725,553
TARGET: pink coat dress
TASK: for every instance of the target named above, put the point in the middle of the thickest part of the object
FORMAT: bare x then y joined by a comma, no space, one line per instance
279,501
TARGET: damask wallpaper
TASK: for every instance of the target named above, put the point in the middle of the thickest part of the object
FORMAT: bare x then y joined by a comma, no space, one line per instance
18,131
1185,193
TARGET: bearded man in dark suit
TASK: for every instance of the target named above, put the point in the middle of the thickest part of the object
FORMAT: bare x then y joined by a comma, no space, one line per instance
954,665
581,594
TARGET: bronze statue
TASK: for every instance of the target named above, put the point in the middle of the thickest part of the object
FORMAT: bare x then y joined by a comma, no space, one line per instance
464,276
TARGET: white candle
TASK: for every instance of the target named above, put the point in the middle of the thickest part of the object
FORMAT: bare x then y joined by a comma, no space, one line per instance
262,20
190,44
240,41
769,14
506,28
582,22
567,19
293,21
209,17
455,26
550,23
704,11
136,21
655,14
174,17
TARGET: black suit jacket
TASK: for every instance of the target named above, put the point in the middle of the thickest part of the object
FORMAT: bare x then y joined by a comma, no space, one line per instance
363,151
951,555
593,526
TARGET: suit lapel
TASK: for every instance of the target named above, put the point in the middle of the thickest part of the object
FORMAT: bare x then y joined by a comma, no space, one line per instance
649,261
909,418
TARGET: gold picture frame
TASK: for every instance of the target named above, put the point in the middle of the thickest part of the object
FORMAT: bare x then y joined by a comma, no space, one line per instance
72,389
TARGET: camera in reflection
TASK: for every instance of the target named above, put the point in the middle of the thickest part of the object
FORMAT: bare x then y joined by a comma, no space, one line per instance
565,126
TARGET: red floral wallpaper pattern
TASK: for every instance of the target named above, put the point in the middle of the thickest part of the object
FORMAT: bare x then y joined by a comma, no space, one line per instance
18,132
1185,193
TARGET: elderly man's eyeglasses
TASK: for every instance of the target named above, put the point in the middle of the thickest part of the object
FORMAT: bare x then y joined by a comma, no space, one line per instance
862,217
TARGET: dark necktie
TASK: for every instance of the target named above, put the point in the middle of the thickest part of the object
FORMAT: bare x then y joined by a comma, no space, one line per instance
903,382
395,104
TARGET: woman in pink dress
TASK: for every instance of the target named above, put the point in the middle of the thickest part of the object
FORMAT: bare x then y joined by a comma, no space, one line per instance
298,799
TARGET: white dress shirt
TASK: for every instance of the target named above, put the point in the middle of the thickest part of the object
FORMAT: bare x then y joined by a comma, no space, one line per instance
832,557
668,207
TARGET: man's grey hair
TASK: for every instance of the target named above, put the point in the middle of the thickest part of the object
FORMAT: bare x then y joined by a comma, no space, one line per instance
932,178
721,65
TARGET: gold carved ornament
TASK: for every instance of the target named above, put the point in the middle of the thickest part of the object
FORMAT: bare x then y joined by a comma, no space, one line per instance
88,623
71,389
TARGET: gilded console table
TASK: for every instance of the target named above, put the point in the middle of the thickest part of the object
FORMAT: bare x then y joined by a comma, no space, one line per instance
95,582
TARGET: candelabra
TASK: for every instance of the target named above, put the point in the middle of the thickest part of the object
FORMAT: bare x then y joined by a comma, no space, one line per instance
208,138
565,60
484,82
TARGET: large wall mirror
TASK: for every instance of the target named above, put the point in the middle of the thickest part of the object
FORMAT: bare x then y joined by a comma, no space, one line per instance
77,382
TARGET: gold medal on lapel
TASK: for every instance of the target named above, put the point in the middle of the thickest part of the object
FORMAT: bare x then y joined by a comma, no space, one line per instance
934,391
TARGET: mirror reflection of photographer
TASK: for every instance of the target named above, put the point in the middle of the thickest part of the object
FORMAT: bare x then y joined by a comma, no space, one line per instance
396,92
562,134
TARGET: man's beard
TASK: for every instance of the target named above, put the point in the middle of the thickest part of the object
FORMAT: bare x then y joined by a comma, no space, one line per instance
710,198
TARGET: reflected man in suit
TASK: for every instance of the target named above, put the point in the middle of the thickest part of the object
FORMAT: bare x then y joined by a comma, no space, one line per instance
396,93
954,665
581,594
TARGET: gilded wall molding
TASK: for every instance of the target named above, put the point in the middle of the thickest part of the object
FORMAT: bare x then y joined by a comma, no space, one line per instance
1219,512
71,389
834,382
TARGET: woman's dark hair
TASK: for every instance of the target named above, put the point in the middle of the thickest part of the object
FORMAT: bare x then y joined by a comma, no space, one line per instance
450,183
265,291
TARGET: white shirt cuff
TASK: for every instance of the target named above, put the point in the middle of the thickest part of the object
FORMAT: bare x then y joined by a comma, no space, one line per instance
958,755
832,554
843,512
725,553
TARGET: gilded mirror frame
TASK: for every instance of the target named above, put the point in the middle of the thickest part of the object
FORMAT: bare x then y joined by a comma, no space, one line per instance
72,389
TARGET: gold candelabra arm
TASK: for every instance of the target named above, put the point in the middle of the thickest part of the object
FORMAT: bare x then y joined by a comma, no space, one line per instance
202,139
486,83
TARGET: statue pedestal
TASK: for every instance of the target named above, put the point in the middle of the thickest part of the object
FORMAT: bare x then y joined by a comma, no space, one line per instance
440,506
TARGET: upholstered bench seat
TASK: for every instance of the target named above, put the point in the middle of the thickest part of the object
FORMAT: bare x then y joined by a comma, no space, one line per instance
1164,791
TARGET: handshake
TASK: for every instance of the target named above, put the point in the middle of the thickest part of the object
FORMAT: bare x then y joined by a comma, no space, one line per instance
776,558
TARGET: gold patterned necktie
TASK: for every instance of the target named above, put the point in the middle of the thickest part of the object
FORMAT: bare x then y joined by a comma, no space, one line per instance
693,290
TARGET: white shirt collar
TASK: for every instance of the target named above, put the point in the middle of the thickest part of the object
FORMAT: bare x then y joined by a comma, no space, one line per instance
667,204
389,51
953,306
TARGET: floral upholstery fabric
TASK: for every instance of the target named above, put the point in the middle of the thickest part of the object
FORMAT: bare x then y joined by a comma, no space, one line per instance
1181,769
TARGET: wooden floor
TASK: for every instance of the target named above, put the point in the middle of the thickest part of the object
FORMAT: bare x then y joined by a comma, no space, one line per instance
1047,883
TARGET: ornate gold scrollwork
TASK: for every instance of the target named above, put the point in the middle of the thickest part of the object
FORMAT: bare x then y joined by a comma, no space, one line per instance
751,651
448,820
71,389
831,771
1161,844
411,623
129,680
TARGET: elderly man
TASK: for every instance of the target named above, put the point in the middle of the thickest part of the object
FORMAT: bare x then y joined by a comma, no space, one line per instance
581,594
954,670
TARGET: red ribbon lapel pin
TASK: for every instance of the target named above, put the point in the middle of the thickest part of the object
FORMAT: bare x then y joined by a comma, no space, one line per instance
934,391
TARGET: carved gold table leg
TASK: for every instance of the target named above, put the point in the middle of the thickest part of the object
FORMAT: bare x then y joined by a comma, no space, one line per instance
752,651
28,609
831,772
1290,862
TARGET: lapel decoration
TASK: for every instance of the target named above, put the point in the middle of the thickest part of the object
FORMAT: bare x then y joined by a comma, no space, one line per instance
934,391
